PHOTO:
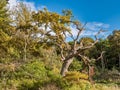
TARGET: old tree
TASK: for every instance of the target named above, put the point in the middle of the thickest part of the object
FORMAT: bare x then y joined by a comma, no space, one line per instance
58,29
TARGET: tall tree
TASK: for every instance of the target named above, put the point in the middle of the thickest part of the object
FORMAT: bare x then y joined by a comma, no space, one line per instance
114,40
25,29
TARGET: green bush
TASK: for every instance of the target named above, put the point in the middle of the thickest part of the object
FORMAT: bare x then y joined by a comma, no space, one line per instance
76,65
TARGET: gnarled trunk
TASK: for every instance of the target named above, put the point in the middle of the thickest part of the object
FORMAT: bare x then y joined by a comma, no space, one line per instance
65,66
91,73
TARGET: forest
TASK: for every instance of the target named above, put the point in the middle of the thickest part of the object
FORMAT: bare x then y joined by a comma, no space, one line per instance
38,51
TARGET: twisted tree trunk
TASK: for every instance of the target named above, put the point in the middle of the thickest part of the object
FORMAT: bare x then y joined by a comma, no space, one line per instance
91,73
65,66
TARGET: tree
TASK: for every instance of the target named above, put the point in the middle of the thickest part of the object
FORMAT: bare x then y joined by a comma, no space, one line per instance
24,34
5,28
57,29
101,50
114,40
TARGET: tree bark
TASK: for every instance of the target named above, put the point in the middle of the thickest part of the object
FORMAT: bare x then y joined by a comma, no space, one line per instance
91,73
25,49
65,66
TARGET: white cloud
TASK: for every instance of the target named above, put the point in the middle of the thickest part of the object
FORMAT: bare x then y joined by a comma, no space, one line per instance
74,30
96,26
92,29
31,5
13,3
41,7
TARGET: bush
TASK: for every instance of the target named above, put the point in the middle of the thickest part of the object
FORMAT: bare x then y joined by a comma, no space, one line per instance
76,65
109,76
75,76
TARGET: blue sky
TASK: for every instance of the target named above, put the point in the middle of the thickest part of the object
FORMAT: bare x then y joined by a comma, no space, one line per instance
106,11
98,13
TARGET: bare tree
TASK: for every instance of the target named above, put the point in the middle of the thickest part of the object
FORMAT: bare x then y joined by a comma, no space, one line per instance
75,50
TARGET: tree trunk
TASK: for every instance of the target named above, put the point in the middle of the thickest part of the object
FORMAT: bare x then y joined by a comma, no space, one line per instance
25,49
65,66
91,73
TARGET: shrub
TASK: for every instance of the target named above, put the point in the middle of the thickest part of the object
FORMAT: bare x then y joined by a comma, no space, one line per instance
76,65
75,76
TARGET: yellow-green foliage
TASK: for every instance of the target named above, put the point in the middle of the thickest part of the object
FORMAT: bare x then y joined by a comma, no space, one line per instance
79,85
75,76
55,69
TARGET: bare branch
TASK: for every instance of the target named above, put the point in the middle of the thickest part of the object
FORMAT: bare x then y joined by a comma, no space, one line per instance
92,44
62,55
61,51
100,56
98,33
87,47
80,30
71,35
85,58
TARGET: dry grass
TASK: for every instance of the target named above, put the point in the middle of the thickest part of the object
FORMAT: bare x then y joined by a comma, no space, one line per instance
104,87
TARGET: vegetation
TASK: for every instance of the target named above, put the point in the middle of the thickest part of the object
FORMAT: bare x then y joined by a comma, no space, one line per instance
35,53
